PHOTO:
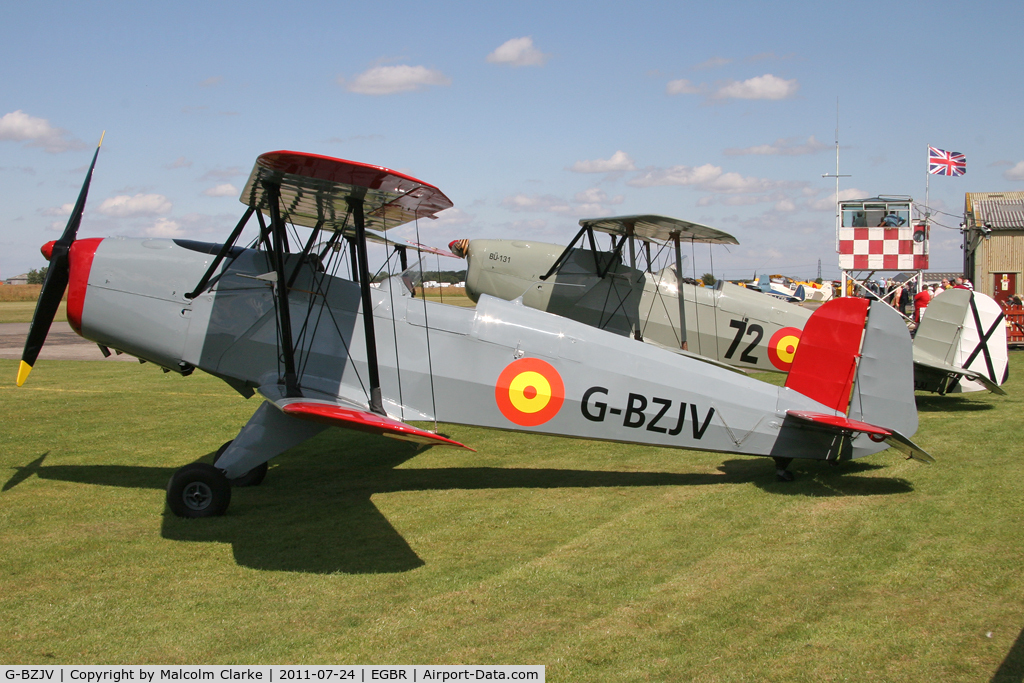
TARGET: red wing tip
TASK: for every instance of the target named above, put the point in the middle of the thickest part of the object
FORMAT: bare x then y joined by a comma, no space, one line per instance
361,420
840,422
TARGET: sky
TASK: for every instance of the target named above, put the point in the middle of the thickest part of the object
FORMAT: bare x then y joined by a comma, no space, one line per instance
528,115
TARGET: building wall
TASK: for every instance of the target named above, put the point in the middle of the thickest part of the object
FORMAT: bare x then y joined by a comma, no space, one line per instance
1002,253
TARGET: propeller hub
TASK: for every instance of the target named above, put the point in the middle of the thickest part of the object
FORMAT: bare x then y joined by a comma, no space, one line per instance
459,247
47,249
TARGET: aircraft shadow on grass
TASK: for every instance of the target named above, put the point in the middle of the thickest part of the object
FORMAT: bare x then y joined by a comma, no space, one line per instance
950,404
314,512
1012,668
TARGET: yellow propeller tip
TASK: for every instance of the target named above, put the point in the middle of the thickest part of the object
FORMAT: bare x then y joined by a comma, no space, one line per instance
23,371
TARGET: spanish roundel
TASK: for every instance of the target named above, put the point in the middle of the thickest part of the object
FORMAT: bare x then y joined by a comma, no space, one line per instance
529,392
782,347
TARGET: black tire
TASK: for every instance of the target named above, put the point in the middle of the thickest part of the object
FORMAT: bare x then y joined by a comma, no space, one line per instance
198,490
253,477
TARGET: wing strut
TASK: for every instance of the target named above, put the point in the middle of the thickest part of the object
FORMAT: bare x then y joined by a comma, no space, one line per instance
682,304
277,230
376,402
230,242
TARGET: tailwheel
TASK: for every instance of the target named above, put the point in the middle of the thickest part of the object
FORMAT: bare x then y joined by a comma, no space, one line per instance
198,490
781,471
253,477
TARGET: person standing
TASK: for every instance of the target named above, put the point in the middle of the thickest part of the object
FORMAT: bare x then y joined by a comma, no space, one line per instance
921,301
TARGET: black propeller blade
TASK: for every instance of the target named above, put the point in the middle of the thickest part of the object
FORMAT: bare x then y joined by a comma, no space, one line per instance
56,280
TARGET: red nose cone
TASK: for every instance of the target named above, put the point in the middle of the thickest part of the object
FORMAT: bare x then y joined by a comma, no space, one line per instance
47,249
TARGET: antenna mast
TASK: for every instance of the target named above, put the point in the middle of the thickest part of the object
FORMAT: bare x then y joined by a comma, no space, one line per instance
837,176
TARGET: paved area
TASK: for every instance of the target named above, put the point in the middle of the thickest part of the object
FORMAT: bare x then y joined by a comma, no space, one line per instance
62,343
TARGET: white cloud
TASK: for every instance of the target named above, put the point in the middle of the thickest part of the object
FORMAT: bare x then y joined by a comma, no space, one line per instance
212,81
180,162
451,217
783,147
707,177
62,210
683,87
767,87
597,196
165,228
388,80
713,63
620,161
518,52
223,173
829,203
590,202
123,206
1015,173
524,202
224,190
17,126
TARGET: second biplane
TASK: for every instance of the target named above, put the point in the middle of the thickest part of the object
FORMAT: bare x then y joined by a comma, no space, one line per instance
960,346
327,351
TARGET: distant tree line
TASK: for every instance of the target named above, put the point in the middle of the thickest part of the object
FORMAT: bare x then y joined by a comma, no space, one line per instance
37,277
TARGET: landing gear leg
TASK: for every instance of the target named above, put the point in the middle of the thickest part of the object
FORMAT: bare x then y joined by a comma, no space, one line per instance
253,477
781,473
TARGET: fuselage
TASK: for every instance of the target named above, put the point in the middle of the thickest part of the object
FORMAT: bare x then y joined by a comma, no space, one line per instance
500,365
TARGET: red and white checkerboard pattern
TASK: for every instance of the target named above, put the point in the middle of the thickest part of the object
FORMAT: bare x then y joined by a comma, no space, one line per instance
881,249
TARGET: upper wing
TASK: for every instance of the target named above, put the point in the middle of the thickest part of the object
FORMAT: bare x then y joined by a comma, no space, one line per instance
658,228
315,190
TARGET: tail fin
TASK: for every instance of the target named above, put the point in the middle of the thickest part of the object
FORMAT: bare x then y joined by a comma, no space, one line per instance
964,329
856,356
883,391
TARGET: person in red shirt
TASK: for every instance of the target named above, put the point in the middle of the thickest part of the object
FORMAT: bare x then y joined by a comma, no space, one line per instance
921,301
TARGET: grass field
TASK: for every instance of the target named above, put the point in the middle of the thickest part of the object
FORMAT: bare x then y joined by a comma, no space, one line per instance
18,303
600,561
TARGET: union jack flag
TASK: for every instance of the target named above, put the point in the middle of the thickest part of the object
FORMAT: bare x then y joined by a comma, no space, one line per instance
941,162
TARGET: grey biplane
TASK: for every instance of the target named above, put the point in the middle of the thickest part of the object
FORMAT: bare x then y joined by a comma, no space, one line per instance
327,351
961,345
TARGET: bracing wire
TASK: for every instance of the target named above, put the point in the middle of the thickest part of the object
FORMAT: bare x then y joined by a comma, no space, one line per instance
426,329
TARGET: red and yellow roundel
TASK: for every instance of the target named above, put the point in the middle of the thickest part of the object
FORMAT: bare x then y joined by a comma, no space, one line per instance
782,347
529,392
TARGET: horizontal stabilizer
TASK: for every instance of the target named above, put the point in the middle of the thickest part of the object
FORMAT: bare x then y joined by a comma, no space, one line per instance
363,421
844,426
947,369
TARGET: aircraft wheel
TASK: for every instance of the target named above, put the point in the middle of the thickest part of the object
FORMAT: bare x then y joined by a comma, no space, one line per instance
198,490
253,477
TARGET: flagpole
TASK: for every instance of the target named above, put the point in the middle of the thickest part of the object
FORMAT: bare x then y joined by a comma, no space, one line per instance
927,191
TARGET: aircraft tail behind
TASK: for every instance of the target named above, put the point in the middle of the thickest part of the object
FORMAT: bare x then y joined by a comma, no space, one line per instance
856,357
965,330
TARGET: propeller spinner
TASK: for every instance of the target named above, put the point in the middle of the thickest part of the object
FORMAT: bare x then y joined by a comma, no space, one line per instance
56,279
